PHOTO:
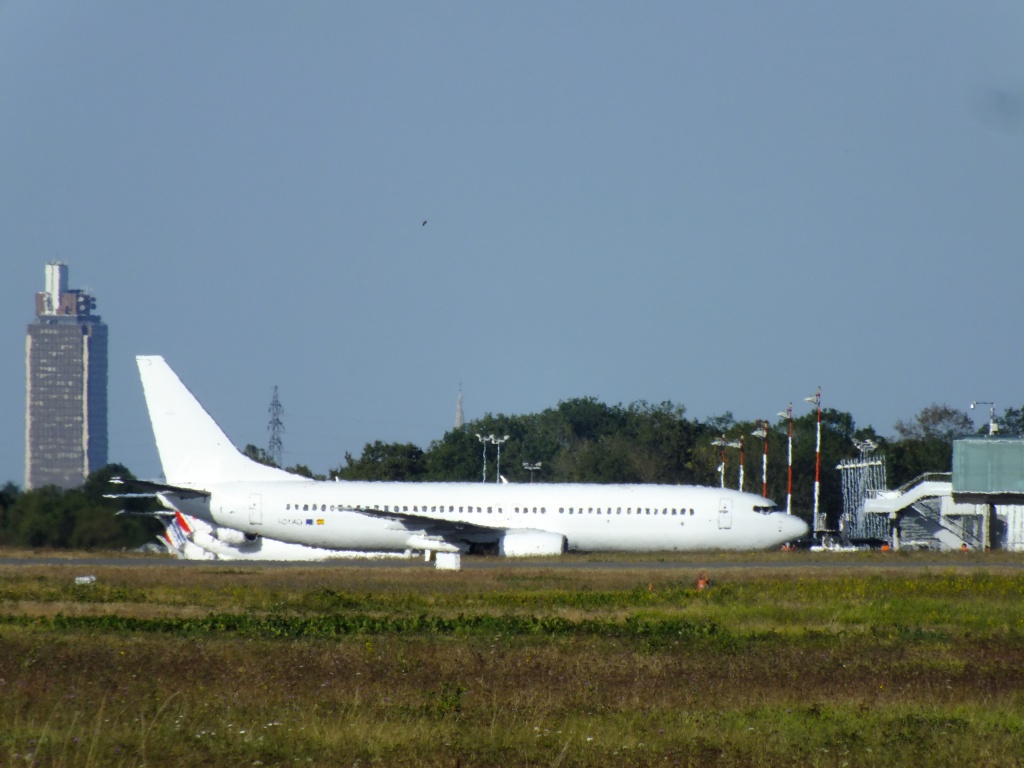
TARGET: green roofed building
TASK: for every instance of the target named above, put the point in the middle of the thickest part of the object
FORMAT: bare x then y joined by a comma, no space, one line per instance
989,466
990,471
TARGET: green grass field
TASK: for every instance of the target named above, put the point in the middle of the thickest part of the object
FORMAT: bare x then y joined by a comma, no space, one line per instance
867,660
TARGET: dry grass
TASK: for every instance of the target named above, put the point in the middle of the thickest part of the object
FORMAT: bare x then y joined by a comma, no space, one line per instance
822,666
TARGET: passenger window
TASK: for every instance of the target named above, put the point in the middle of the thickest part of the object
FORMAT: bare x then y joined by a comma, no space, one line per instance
305,507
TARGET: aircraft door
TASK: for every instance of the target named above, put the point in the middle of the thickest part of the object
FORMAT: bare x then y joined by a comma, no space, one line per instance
725,513
255,509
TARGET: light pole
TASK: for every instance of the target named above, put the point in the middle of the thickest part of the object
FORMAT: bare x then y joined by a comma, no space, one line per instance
762,432
721,441
992,426
498,441
742,464
815,400
788,414
485,439
531,468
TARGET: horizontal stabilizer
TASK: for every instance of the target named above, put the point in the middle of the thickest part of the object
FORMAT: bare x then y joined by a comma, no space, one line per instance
147,489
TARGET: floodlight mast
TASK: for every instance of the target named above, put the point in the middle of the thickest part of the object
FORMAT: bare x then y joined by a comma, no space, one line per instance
498,441
531,468
815,400
992,426
721,441
485,439
788,414
764,462
742,464
762,432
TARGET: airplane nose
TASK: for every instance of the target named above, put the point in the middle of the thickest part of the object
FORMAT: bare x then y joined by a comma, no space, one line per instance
792,527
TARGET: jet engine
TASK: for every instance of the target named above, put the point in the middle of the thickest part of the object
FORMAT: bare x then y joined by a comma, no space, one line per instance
531,543
232,537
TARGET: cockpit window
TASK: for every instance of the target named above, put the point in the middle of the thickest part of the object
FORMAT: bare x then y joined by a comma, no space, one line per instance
767,509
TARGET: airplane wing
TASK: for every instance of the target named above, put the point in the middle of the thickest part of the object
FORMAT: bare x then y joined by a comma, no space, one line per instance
510,541
434,527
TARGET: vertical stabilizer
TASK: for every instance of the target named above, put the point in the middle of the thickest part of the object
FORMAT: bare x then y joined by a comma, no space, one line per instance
194,451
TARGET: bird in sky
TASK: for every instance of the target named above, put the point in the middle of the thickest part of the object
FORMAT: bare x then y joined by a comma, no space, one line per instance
424,223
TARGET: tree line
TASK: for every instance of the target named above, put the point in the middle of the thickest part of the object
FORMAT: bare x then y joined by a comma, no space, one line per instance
586,441
581,440
78,518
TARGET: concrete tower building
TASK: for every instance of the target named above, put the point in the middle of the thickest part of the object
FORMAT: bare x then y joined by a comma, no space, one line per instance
66,386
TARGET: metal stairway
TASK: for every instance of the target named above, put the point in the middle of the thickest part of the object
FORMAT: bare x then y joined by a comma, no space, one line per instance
928,517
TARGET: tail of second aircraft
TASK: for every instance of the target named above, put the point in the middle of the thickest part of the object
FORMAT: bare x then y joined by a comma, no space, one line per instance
194,451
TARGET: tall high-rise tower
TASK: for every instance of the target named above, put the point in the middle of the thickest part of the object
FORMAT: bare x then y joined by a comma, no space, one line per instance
66,386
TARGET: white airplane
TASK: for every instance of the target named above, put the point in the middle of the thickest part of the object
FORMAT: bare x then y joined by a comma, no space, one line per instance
209,479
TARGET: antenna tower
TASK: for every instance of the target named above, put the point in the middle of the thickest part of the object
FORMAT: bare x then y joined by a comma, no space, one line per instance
275,449
863,478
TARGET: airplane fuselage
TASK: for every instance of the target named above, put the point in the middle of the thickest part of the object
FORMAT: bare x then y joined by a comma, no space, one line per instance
455,516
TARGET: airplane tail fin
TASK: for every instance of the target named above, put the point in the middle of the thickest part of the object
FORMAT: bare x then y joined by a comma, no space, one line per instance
193,449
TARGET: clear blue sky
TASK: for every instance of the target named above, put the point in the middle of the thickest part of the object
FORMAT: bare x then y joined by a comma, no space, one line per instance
720,204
